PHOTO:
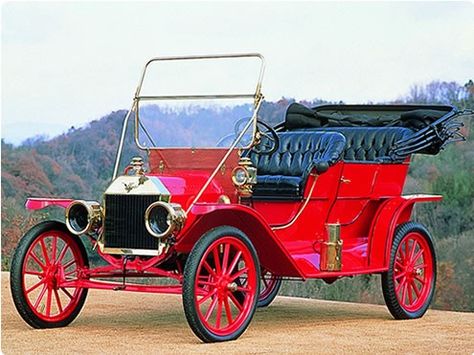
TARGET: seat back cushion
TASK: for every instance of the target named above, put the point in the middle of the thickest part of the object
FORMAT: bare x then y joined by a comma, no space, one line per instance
297,151
283,174
370,143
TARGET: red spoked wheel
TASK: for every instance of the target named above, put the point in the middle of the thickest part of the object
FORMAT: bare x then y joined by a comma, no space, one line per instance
269,286
47,256
408,286
221,285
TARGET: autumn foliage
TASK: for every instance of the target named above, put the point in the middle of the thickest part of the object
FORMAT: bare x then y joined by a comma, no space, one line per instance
79,163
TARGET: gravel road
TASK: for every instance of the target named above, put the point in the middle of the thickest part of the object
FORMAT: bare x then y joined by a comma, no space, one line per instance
120,322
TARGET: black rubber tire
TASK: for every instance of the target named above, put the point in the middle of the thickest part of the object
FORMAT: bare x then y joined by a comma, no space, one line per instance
189,277
16,276
266,301
388,283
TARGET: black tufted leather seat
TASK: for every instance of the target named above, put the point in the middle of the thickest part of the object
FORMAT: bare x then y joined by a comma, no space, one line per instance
283,174
369,143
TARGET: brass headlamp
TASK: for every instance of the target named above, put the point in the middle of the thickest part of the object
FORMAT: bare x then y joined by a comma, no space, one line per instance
163,219
244,176
83,216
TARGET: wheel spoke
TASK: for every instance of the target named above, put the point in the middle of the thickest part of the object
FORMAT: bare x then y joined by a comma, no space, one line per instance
37,260
48,302
234,262
218,314
63,253
413,248
410,299
401,256
239,273
417,256
45,252
69,263
206,297
415,288
40,297
228,311
421,280
217,261
211,308
66,292
400,285
404,293
225,259
58,301
53,249
206,283
209,268
236,302
401,274
70,272
35,273
34,287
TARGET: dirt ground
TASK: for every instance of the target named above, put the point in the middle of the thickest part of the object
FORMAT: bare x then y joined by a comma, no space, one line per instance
122,322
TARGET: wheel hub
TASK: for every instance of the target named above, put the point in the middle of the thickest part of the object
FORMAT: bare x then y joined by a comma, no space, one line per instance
232,287
52,276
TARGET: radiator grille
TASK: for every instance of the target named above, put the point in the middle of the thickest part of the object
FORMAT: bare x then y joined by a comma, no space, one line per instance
124,225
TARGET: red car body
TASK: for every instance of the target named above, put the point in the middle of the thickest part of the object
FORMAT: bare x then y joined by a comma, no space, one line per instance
350,218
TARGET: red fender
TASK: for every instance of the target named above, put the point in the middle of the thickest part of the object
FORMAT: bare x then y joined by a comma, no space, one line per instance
38,203
390,214
271,252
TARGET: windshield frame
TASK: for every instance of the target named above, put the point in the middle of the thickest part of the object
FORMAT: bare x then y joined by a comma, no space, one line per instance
256,96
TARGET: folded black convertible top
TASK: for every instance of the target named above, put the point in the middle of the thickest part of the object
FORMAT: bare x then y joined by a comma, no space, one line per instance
433,126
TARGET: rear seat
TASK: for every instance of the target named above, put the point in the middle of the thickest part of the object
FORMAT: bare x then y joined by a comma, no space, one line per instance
283,174
369,143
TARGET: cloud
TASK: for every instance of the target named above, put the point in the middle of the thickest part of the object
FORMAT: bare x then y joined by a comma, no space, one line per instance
68,63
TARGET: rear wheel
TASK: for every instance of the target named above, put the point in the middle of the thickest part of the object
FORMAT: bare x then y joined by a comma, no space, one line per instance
408,285
217,304
269,287
46,256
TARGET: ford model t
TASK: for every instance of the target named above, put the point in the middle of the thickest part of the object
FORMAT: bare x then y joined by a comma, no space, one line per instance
229,208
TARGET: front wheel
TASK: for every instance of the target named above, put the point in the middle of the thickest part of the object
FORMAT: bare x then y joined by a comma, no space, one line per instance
221,285
46,256
408,285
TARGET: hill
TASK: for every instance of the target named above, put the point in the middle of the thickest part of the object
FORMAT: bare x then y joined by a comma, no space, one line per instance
79,164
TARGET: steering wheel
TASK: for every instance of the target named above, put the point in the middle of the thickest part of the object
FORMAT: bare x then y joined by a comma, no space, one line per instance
268,140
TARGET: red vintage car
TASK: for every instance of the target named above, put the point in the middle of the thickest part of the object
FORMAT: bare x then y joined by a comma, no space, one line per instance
229,215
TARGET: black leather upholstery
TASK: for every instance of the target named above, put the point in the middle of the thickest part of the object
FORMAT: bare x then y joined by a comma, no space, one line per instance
369,143
284,173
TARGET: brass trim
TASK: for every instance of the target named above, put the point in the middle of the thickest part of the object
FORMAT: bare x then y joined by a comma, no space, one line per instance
95,216
118,156
258,97
234,179
176,218
300,211
125,251
224,199
245,188
331,250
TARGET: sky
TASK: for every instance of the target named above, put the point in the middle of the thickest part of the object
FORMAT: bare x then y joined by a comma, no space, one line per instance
65,64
